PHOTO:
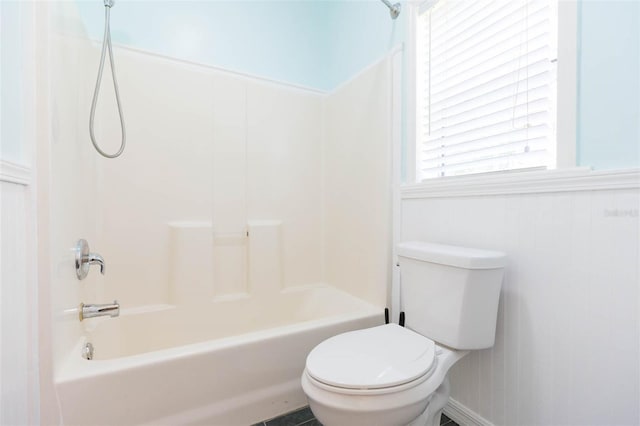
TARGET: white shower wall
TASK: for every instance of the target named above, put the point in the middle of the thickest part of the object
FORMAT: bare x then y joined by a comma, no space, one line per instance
69,183
357,152
210,154
213,155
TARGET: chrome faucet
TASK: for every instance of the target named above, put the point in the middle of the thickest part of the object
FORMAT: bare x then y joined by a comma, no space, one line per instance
92,311
84,259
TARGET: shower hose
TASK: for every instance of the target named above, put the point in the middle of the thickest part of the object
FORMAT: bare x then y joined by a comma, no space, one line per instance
106,42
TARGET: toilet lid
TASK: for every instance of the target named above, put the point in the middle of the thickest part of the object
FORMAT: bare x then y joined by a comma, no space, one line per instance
374,358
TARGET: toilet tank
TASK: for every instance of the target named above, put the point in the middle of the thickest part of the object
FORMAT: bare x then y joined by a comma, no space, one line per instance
450,294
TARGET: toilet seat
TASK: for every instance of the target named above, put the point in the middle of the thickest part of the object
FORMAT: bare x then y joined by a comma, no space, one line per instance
375,360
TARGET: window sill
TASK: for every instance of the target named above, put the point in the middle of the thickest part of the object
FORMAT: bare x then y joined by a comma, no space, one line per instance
543,181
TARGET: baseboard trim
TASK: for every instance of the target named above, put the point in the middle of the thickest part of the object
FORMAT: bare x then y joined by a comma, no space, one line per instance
463,415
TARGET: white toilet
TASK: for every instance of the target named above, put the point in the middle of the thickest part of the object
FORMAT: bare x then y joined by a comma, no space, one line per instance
392,375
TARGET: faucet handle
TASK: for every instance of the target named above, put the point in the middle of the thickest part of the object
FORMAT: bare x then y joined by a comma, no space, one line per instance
84,259
96,259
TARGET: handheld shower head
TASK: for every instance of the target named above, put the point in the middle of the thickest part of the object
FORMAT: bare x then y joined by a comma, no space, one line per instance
106,45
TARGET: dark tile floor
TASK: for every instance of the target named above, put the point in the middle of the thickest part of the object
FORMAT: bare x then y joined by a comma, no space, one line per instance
304,417
444,420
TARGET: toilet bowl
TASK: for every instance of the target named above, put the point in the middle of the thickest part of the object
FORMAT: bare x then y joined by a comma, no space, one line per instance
386,375
397,376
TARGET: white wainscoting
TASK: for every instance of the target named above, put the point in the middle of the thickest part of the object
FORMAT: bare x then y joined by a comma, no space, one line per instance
567,345
18,354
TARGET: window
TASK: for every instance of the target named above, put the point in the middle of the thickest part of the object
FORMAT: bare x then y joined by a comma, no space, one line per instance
485,74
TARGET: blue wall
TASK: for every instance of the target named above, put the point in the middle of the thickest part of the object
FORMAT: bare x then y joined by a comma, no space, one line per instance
313,43
281,40
321,44
358,34
11,101
609,84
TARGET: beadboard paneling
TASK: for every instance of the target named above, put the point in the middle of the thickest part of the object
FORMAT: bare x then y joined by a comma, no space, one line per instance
16,363
567,344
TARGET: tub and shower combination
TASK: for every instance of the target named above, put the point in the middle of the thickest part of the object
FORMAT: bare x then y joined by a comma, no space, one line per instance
218,363
230,262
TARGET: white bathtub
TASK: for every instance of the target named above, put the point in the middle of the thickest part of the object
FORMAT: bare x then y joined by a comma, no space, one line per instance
217,363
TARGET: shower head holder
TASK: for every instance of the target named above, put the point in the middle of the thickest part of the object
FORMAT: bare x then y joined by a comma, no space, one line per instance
394,10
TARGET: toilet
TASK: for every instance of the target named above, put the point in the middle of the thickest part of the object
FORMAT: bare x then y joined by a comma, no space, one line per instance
393,375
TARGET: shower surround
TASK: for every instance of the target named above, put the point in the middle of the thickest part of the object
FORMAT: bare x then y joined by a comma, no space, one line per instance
247,221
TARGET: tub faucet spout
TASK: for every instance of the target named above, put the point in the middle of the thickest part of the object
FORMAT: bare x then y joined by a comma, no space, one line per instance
92,311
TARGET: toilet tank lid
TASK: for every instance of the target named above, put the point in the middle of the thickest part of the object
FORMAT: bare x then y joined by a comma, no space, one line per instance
461,257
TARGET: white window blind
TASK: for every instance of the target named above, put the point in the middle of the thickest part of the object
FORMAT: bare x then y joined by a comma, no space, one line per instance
486,73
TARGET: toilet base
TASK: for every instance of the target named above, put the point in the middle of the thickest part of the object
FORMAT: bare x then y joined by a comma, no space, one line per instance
432,414
385,418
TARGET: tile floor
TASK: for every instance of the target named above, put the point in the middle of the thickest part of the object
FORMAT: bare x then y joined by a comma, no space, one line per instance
304,417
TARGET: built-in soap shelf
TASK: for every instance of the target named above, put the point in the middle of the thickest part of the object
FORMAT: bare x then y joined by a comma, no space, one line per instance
205,263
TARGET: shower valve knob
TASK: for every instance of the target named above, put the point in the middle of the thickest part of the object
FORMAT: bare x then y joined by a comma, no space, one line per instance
84,259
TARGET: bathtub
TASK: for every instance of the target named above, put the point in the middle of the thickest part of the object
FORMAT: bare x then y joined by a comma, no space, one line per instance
228,362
